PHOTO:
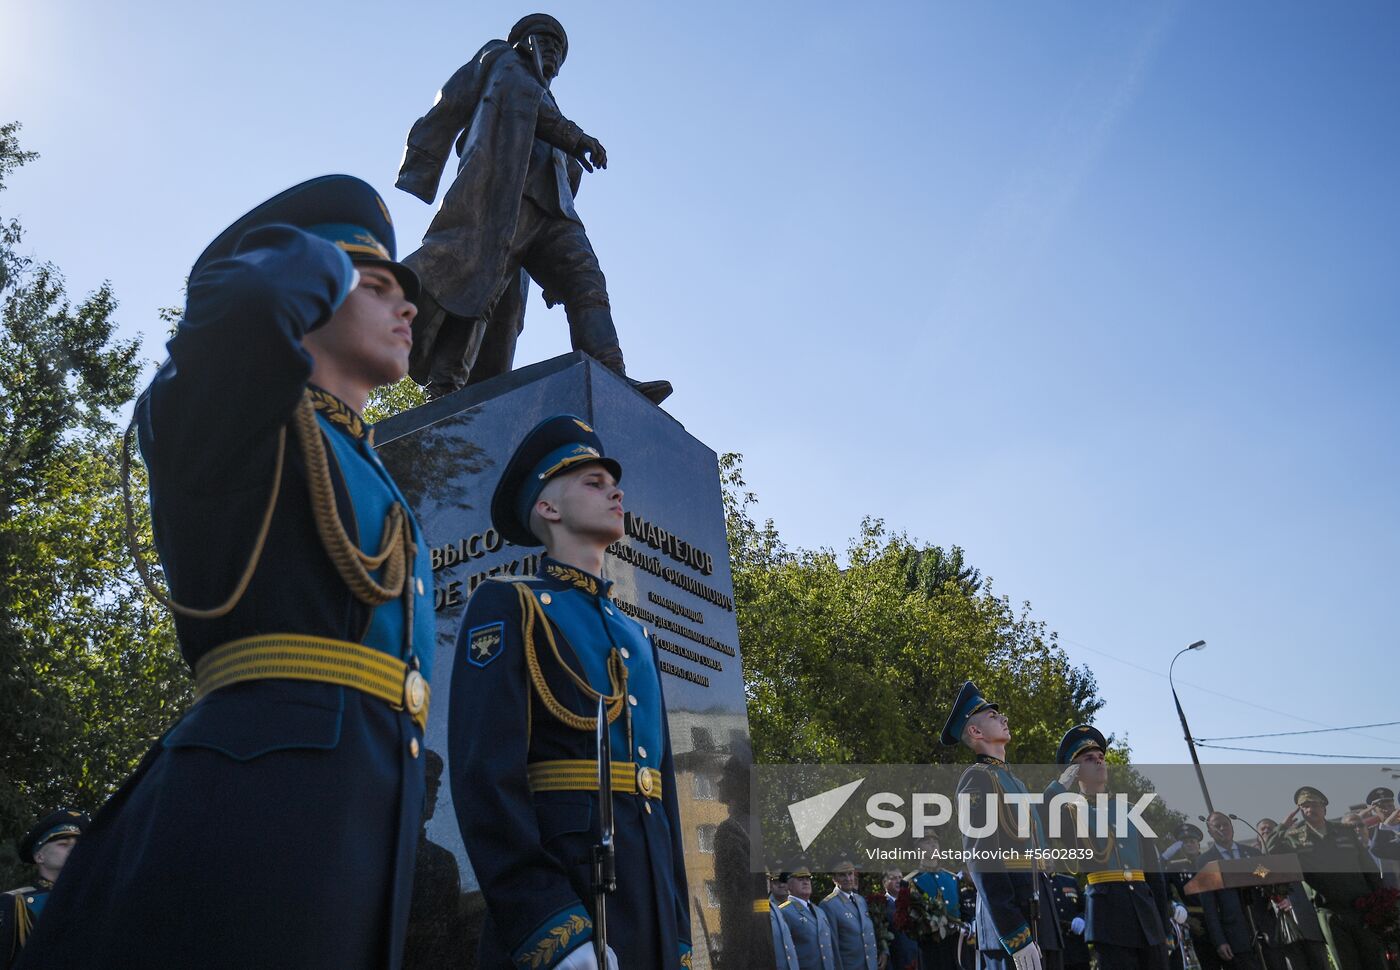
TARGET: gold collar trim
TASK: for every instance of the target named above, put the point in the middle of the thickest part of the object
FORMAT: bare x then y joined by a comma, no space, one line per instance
576,578
339,413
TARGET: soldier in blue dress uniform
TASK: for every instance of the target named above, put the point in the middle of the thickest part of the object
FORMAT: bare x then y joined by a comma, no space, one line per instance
1015,922
46,847
534,657
275,824
1128,911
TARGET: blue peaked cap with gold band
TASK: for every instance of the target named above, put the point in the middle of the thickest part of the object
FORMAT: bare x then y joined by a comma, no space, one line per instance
1077,740
58,824
553,446
340,209
970,703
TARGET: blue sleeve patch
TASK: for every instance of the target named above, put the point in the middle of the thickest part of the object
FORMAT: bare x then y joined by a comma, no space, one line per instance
485,643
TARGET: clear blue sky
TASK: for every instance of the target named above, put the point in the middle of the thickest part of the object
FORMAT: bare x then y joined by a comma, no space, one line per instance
1105,294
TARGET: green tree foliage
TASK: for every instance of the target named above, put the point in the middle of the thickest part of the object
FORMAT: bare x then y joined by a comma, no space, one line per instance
89,671
861,664
393,398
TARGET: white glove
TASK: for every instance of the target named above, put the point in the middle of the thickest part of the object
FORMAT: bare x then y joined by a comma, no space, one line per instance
1069,776
1172,850
1076,926
1028,957
585,959
1178,914
354,279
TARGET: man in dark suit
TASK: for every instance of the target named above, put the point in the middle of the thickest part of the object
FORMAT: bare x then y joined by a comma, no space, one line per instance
903,949
1232,916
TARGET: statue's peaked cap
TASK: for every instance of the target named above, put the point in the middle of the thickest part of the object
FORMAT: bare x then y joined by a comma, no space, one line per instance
539,23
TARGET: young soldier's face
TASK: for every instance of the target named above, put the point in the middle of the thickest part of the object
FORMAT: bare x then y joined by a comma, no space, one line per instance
586,502
54,853
1092,769
369,336
993,726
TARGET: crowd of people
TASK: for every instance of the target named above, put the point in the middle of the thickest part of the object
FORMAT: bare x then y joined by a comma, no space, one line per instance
1318,893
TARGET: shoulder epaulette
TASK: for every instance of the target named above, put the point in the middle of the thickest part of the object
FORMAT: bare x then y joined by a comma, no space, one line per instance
21,891
507,578
831,895
785,904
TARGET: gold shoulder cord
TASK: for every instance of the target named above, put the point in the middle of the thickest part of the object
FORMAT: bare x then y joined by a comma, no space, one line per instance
617,670
396,551
24,920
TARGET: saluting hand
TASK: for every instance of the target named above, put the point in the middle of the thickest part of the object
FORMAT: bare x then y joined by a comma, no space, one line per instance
1069,776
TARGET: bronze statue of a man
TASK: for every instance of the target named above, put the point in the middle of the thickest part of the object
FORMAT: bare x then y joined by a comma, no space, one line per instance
510,211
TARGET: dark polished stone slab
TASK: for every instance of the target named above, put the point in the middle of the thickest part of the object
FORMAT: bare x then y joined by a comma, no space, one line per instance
671,572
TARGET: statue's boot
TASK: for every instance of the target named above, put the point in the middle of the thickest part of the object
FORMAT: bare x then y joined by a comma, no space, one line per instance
592,331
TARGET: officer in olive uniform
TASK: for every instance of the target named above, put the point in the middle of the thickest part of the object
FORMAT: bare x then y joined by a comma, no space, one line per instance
46,846
276,823
851,927
1069,909
534,657
808,926
1128,908
1340,871
1016,924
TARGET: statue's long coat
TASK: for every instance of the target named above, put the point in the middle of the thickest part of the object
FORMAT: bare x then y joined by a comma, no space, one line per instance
494,102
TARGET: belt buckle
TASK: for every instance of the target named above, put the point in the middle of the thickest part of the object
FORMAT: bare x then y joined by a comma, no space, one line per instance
644,783
415,693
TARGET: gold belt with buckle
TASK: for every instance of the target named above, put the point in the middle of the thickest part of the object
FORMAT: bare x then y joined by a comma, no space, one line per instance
1117,875
294,656
582,775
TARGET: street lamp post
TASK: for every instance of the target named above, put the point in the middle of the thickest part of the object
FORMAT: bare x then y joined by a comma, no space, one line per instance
1185,730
